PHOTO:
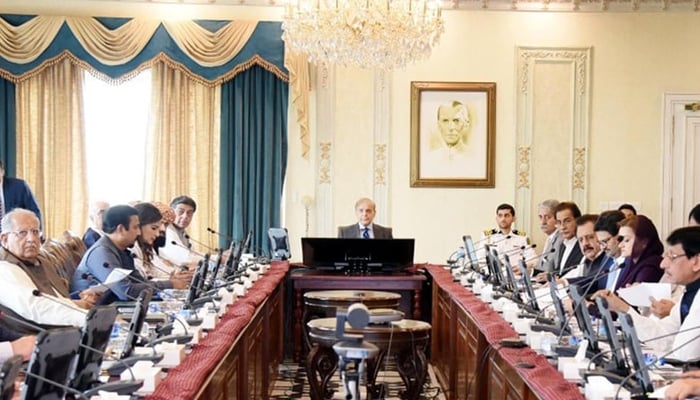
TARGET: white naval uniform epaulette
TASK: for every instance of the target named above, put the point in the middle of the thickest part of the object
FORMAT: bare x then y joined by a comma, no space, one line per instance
515,244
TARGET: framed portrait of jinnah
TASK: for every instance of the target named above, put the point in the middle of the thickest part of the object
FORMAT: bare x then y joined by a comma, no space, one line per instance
453,127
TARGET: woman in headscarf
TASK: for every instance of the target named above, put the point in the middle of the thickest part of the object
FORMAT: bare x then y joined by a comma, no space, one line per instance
642,250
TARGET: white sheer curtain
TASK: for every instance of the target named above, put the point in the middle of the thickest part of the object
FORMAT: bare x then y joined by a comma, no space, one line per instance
116,125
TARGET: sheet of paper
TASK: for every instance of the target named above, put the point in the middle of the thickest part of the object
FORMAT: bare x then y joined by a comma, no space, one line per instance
114,277
638,295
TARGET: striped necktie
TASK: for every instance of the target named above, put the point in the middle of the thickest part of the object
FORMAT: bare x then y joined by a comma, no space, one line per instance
365,233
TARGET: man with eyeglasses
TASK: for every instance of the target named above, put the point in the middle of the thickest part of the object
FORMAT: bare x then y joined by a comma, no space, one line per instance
681,264
32,291
606,231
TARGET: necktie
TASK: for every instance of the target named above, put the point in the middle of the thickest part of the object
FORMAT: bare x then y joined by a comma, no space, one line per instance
365,233
560,257
686,302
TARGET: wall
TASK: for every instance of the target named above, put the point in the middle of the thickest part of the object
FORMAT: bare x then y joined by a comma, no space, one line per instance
636,58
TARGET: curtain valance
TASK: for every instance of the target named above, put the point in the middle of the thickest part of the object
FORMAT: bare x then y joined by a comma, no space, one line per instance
209,51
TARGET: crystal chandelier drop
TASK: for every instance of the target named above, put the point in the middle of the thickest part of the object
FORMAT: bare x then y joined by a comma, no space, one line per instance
384,34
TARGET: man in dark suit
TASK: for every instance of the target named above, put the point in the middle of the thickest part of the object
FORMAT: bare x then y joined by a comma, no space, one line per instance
365,228
16,194
568,254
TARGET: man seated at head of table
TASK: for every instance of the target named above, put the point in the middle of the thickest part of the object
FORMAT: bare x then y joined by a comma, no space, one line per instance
121,226
681,263
31,290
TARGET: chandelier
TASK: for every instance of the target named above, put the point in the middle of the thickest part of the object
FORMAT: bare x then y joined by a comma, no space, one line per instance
384,34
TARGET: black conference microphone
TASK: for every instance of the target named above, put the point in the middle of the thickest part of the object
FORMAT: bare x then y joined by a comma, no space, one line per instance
38,293
196,253
223,235
211,249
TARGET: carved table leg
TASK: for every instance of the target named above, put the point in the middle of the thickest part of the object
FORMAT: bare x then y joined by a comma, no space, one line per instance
375,391
298,312
416,304
321,363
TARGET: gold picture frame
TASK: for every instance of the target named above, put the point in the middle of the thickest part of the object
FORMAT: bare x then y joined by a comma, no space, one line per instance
453,134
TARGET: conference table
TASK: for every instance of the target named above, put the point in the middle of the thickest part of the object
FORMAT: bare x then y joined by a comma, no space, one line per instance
240,357
468,359
408,284
405,341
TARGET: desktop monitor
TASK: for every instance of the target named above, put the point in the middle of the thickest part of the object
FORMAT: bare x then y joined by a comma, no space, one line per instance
512,280
617,361
53,360
358,255
558,305
95,335
136,323
583,318
634,349
532,302
279,243
495,267
471,253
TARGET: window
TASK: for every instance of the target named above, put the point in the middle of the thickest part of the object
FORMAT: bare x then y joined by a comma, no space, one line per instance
116,125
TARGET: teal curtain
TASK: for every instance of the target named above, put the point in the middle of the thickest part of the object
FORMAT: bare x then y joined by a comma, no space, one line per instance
253,154
8,123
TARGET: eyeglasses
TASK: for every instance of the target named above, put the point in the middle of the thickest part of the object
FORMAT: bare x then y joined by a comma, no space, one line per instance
23,234
672,256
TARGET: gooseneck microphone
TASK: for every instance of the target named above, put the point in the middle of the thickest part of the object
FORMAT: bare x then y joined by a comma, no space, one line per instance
196,253
212,249
223,235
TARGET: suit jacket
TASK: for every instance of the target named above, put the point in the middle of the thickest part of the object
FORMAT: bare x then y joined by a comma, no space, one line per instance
17,194
549,258
574,259
7,334
90,237
353,232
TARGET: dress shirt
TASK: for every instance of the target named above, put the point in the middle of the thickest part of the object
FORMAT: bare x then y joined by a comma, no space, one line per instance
370,231
158,268
5,351
508,243
548,258
177,254
648,328
17,296
568,247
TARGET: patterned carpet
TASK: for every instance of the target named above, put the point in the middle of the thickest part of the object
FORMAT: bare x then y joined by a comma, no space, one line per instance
292,384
